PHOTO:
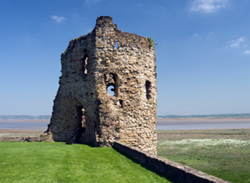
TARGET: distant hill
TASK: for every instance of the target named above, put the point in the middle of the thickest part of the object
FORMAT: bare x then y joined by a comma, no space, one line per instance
25,117
243,115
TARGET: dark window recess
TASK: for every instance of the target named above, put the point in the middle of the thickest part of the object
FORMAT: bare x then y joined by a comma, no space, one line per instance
148,89
81,117
111,89
116,45
121,103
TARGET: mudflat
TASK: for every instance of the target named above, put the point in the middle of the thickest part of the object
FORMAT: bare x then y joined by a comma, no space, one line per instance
19,131
18,134
24,120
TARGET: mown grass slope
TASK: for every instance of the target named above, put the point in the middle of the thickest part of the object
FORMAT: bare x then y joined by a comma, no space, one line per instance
57,162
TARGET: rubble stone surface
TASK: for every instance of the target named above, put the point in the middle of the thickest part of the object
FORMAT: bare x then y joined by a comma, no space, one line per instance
106,61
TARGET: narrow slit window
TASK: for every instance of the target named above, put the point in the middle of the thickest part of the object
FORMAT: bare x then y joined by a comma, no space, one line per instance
121,103
148,89
81,117
85,65
116,45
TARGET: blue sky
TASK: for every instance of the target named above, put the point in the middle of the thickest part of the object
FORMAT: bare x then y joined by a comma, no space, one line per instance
203,57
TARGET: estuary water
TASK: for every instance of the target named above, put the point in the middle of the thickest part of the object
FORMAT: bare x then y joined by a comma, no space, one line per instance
196,124
23,125
162,124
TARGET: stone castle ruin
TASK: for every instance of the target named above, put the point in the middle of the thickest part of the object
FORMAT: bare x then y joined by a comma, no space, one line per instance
107,90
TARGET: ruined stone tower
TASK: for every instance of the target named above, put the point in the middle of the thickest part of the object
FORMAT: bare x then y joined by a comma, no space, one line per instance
107,59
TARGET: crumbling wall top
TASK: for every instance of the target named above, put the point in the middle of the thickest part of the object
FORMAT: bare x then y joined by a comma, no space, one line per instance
104,19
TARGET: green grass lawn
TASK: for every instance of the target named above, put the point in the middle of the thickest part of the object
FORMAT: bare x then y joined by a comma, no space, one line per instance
222,153
57,162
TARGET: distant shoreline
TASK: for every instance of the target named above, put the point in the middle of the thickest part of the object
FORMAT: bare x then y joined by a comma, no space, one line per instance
203,119
158,120
164,117
162,123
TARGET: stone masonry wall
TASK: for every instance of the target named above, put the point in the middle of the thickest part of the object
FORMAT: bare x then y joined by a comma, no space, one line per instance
173,171
92,64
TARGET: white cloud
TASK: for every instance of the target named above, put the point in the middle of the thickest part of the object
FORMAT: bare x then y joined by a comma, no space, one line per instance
57,18
247,52
239,42
208,6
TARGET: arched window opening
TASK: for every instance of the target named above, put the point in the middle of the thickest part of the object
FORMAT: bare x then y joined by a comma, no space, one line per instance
111,84
111,89
148,89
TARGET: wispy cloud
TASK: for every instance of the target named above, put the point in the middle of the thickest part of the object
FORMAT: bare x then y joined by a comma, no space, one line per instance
208,6
241,43
247,52
57,18
196,35
238,42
